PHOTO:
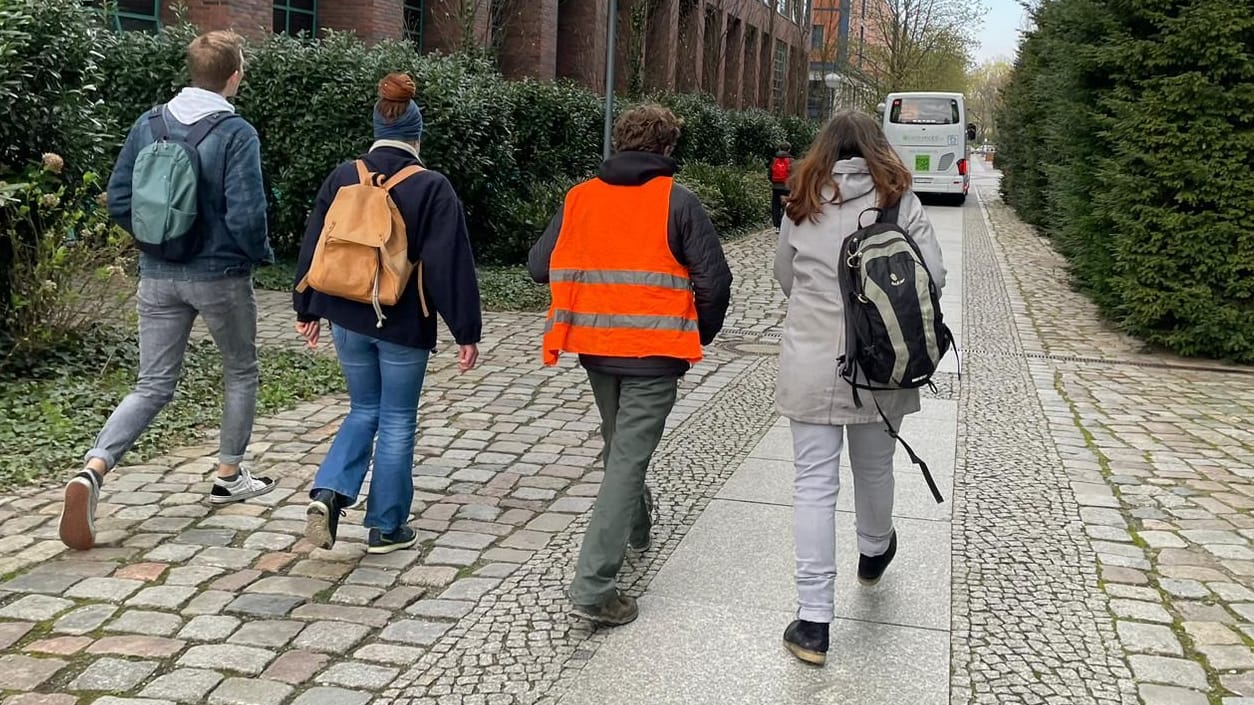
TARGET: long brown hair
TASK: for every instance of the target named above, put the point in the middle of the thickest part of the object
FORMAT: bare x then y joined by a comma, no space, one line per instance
849,134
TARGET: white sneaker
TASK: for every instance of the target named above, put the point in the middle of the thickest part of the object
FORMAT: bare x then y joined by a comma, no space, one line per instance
243,487
78,513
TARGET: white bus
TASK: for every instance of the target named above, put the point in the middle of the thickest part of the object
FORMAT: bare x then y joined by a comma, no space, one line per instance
930,133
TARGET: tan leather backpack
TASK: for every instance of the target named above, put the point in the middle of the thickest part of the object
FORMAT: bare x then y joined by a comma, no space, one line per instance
363,249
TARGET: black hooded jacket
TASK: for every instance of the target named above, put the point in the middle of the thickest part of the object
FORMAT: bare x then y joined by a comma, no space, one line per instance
693,242
436,228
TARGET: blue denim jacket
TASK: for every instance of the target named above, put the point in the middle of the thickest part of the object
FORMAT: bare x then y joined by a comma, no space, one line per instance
231,198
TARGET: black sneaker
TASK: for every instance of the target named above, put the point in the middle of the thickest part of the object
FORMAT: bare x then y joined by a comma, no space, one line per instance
243,486
78,513
871,568
807,641
642,536
617,610
322,519
398,540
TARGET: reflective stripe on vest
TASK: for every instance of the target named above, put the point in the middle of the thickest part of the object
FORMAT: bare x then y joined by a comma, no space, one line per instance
621,276
617,288
618,320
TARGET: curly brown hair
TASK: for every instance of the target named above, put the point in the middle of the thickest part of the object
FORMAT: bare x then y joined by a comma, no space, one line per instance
647,128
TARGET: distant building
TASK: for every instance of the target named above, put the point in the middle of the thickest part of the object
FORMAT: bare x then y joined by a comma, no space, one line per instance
747,53
840,33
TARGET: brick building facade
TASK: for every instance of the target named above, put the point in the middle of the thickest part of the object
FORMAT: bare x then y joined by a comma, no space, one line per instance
841,32
747,53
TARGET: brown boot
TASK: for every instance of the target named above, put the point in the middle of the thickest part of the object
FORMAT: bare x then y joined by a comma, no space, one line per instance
615,611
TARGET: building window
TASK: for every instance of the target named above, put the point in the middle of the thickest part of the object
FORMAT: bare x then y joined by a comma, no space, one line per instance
816,38
414,23
132,15
780,73
295,16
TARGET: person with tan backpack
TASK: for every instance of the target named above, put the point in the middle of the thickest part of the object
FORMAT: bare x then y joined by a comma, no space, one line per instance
386,248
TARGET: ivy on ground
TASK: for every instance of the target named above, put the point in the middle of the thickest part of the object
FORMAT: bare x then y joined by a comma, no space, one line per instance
52,406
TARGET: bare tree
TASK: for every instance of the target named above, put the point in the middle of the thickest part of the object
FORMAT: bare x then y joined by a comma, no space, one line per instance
920,44
985,95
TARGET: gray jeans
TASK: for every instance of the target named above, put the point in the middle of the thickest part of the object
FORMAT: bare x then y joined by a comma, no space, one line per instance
816,449
167,309
633,418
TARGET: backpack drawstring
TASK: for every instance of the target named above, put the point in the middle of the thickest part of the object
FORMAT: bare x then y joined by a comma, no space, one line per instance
374,297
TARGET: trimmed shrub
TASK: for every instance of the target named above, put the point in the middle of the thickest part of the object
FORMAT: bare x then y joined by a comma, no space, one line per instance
704,136
1126,136
47,104
507,147
736,199
522,218
557,129
800,133
753,136
48,65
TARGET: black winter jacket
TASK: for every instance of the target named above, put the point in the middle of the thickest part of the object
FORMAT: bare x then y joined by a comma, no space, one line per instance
693,242
437,236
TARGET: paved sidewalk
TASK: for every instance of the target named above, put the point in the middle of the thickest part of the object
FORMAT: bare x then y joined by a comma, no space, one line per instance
182,603
1159,452
712,620
1095,545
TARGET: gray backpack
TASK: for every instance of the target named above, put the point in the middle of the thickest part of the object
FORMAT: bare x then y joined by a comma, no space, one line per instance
163,189
895,335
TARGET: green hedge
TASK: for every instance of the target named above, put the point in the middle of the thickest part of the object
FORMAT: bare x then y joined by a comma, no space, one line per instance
510,148
1128,135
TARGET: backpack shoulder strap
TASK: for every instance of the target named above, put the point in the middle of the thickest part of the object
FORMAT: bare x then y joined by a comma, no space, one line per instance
891,213
401,176
156,122
364,176
205,125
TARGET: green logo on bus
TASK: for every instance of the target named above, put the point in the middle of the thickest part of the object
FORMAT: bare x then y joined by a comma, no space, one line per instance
922,162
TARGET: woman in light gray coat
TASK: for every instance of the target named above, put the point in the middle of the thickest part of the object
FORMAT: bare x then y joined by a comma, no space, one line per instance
850,168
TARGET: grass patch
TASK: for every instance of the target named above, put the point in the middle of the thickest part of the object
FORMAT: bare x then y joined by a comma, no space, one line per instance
277,277
51,407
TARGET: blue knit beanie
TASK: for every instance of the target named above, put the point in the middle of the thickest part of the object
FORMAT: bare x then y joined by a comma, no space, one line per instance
395,90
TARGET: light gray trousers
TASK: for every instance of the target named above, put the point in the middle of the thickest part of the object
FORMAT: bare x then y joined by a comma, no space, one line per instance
816,449
167,310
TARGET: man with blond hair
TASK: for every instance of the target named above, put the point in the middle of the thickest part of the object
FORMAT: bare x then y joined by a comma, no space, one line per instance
639,285
197,256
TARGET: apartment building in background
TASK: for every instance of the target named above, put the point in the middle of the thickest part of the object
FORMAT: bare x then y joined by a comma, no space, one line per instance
840,33
746,53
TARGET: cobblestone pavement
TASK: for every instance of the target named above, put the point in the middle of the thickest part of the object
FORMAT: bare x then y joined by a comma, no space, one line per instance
1158,453
1029,622
1101,542
184,604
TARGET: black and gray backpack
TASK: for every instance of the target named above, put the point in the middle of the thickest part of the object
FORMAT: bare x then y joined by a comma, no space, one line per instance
895,335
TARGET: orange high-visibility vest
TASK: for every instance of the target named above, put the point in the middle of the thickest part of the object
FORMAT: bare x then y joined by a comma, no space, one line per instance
617,289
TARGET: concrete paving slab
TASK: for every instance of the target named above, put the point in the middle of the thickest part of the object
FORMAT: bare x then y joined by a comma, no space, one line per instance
768,479
741,554
689,653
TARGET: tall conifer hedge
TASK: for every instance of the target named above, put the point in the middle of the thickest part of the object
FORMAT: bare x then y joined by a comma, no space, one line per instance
1128,137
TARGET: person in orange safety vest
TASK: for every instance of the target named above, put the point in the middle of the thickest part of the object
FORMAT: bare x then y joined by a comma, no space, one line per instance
639,284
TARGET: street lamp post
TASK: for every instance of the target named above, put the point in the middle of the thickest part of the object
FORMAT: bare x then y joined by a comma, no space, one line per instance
834,81
611,33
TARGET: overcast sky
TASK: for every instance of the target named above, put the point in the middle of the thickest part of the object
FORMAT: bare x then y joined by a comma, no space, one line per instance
1000,34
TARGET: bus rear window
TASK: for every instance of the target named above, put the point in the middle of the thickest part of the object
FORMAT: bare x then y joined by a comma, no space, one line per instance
924,111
